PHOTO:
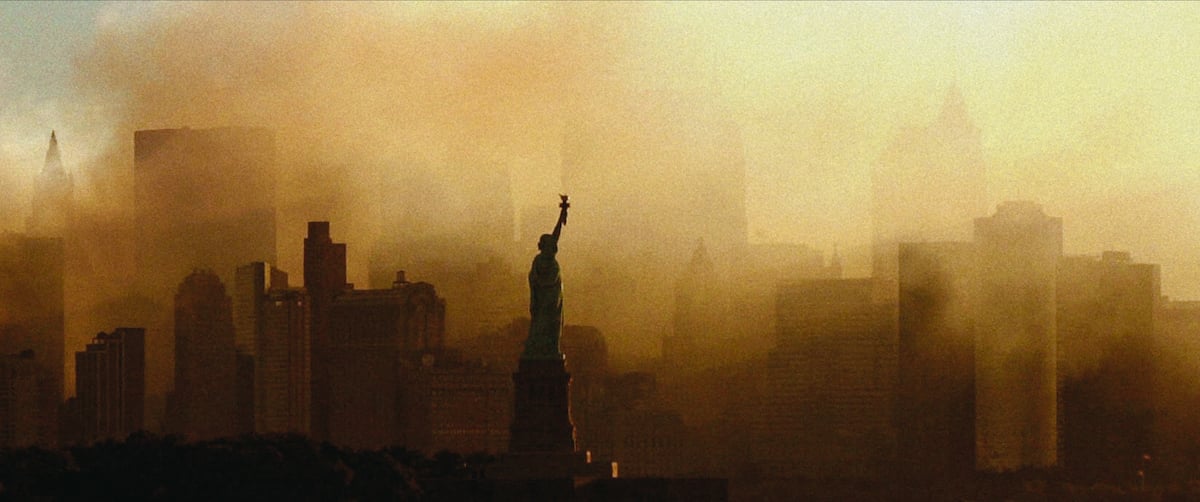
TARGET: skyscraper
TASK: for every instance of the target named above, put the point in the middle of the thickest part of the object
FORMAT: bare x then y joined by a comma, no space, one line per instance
110,384
20,425
324,279
830,382
373,334
32,317
251,283
282,368
1108,363
1016,392
935,410
204,405
52,196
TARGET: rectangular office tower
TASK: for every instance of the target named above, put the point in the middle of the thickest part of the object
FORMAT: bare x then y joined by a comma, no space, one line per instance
110,384
203,198
935,404
830,382
18,395
1016,410
32,318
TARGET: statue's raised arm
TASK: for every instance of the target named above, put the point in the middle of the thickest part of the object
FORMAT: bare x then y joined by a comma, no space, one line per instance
562,216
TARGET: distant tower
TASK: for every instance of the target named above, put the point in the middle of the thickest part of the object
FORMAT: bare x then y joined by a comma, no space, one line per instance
699,320
928,185
1016,407
324,279
110,384
205,359
52,199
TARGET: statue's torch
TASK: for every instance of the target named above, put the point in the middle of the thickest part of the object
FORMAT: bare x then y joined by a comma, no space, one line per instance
564,205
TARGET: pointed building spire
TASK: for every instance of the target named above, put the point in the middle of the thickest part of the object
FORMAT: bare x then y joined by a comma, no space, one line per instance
954,109
53,163
835,264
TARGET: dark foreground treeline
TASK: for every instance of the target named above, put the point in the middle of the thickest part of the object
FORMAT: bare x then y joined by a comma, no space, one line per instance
1029,485
148,467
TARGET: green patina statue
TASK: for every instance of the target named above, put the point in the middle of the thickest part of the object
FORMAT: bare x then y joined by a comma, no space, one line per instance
545,296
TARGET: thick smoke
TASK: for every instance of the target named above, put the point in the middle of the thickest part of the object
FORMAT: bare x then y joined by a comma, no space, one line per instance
435,103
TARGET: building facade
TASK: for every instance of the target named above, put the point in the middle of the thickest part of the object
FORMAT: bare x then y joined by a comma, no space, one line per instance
110,384
830,382
204,402
19,427
282,364
935,402
373,336
1016,380
324,278
32,317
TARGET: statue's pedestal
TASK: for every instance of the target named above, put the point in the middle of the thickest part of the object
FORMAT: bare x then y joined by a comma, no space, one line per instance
542,441
542,408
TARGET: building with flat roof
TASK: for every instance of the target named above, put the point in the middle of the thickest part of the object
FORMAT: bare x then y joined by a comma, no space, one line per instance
110,384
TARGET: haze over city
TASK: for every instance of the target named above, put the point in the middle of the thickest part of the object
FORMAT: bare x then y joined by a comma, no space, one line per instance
722,160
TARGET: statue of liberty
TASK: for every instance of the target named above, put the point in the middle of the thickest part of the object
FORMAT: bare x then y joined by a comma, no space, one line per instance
545,296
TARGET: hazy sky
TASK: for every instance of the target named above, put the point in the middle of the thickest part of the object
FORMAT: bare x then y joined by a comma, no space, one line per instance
1090,109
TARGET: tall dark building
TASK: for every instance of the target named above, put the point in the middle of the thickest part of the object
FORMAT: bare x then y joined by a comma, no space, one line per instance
935,402
373,336
324,279
1016,378
110,384
50,214
204,402
251,283
282,364
203,198
32,317
1107,363
928,185
19,378
830,382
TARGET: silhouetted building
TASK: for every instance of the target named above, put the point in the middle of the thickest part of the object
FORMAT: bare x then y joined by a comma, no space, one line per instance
935,402
110,384
205,395
452,405
251,283
282,364
32,316
1176,427
52,197
1016,391
648,441
373,334
928,185
324,278
203,198
586,354
830,382
1107,367
20,424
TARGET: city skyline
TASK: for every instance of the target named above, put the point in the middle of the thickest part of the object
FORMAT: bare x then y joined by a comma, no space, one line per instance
937,251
